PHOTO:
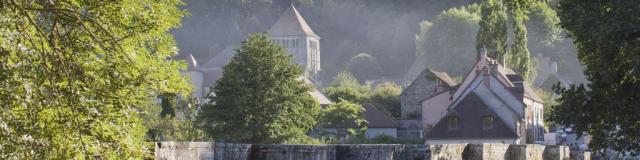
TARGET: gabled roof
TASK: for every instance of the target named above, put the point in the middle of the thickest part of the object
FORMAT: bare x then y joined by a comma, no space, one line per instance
315,93
444,77
530,93
221,59
505,75
291,23
470,112
376,118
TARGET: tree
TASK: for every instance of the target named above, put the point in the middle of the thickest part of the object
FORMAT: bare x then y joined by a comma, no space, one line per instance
606,35
75,75
174,120
386,97
492,35
346,117
519,56
260,97
346,87
449,38
364,67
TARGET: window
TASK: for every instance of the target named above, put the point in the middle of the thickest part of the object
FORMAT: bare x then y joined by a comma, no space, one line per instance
454,122
487,121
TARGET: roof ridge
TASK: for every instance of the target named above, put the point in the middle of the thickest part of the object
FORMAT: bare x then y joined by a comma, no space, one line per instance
290,17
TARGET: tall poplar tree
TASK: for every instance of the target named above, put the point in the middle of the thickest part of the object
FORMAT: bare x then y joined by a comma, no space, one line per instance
519,57
76,74
260,97
492,35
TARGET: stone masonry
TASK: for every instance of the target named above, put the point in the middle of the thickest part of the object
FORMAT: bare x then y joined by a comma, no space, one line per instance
229,151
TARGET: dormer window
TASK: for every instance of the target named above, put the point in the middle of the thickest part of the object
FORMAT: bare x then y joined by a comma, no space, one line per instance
454,122
487,121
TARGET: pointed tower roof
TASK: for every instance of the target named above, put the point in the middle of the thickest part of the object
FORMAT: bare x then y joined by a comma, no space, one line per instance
291,23
192,64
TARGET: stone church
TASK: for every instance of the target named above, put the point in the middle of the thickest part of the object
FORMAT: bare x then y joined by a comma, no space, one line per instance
290,31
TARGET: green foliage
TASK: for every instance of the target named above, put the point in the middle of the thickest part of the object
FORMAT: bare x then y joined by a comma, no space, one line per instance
260,98
168,102
543,20
174,121
75,75
519,56
447,39
492,35
549,102
364,67
346,87
606,36
386,97
345,117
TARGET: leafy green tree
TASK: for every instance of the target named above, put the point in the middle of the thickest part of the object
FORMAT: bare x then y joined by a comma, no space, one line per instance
174,120
606,34
364,67
386,97
75,76
345,117
260,97
346,87
449,38
492,35
168,102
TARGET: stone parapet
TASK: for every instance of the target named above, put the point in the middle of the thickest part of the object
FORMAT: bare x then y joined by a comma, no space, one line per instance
553,152
230,151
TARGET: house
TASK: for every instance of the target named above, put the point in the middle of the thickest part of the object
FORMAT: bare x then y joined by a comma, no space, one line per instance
491,105
378,123
427,83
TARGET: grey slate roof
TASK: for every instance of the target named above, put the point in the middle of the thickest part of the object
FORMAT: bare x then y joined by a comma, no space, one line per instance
377,118
221,59
470,112
315,93
444,77
291,23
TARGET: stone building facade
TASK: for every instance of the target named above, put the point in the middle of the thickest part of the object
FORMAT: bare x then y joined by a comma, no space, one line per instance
426,84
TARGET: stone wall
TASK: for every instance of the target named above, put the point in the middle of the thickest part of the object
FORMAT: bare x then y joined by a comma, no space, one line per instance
228,151
184,150
553,152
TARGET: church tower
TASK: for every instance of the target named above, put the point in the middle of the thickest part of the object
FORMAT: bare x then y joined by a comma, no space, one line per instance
292,32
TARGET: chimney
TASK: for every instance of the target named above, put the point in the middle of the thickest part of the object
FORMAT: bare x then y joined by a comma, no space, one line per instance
486,76
518,84
482,54
494,66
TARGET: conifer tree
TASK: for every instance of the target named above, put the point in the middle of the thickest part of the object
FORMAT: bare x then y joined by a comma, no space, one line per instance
260,98
492,34
519,56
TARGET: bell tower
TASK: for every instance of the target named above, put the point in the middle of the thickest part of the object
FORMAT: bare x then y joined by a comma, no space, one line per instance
293,33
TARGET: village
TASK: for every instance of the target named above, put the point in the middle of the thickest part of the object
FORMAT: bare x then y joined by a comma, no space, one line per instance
320,79
491,104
